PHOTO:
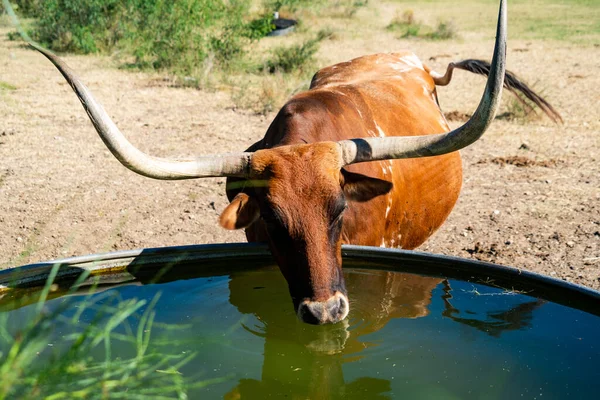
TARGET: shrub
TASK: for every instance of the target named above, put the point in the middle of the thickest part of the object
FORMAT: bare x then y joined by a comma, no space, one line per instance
165,33
158,33
296,58
260,27
28,8
408,26
444,30
405,23
78,26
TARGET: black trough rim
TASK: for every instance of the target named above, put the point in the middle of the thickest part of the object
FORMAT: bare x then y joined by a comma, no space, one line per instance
117,267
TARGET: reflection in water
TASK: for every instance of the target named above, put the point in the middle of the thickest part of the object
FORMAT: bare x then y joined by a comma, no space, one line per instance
304,361
407,337
494,323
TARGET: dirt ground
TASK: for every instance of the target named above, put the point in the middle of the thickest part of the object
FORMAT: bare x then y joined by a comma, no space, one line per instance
530,199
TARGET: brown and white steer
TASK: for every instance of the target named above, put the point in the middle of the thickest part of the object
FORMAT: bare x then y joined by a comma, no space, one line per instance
307,186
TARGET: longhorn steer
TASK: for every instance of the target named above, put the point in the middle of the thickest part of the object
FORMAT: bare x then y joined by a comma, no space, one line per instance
307,187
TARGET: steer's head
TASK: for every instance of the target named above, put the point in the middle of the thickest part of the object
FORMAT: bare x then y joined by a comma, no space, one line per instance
299,195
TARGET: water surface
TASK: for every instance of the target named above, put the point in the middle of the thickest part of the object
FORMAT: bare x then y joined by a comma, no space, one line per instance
407,336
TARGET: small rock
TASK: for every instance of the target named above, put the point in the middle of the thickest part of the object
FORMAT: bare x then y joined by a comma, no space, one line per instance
570,243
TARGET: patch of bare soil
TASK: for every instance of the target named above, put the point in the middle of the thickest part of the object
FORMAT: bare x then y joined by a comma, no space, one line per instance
454,116
521,161
62,193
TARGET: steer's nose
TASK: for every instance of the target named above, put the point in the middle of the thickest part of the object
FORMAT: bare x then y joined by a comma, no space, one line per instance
332,310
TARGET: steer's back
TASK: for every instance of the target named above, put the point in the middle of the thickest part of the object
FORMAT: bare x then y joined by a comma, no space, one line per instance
377,95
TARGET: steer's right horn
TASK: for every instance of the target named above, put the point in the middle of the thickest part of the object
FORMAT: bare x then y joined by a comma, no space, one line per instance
237,164
373,149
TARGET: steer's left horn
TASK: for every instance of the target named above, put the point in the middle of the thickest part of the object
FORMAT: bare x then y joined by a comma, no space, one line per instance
373,149
138,161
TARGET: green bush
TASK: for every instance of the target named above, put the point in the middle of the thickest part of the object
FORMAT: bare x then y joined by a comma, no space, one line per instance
405,24
296,58
408,26
78,26
166,33
445,30
28,8
260,27
158,33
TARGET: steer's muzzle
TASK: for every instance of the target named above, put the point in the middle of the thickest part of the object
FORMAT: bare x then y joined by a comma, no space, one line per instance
332,310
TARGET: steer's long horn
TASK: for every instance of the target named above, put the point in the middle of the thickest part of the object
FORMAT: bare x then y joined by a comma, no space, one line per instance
159,168
372,149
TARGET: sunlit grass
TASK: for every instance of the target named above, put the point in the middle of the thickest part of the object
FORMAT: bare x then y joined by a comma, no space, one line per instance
7,86
37,362
575,21
407,26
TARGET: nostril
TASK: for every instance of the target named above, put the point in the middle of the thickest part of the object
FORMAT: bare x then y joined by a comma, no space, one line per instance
339,307
335,307
343,305
310,313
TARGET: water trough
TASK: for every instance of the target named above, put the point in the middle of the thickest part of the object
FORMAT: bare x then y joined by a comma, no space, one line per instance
420,326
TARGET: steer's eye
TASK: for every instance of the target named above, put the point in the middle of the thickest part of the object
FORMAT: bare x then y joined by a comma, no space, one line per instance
339,213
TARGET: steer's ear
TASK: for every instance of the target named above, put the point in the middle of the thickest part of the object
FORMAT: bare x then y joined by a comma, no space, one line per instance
240,213
358,187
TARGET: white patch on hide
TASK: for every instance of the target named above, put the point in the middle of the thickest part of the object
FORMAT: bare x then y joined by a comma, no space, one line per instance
401,67
413,61
381,132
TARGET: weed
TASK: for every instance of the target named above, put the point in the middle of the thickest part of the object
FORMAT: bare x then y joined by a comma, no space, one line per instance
295,58
29,8
519,110
401,20
345,8
7,86
445,30
407,26
260,27
39,363
73,25
292,58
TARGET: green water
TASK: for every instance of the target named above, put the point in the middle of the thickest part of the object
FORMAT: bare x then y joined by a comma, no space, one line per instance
407,336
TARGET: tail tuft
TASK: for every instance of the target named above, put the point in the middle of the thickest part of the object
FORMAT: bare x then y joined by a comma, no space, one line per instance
513,85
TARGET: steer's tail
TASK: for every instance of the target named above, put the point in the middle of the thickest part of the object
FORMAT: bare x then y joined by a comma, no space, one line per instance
511,83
